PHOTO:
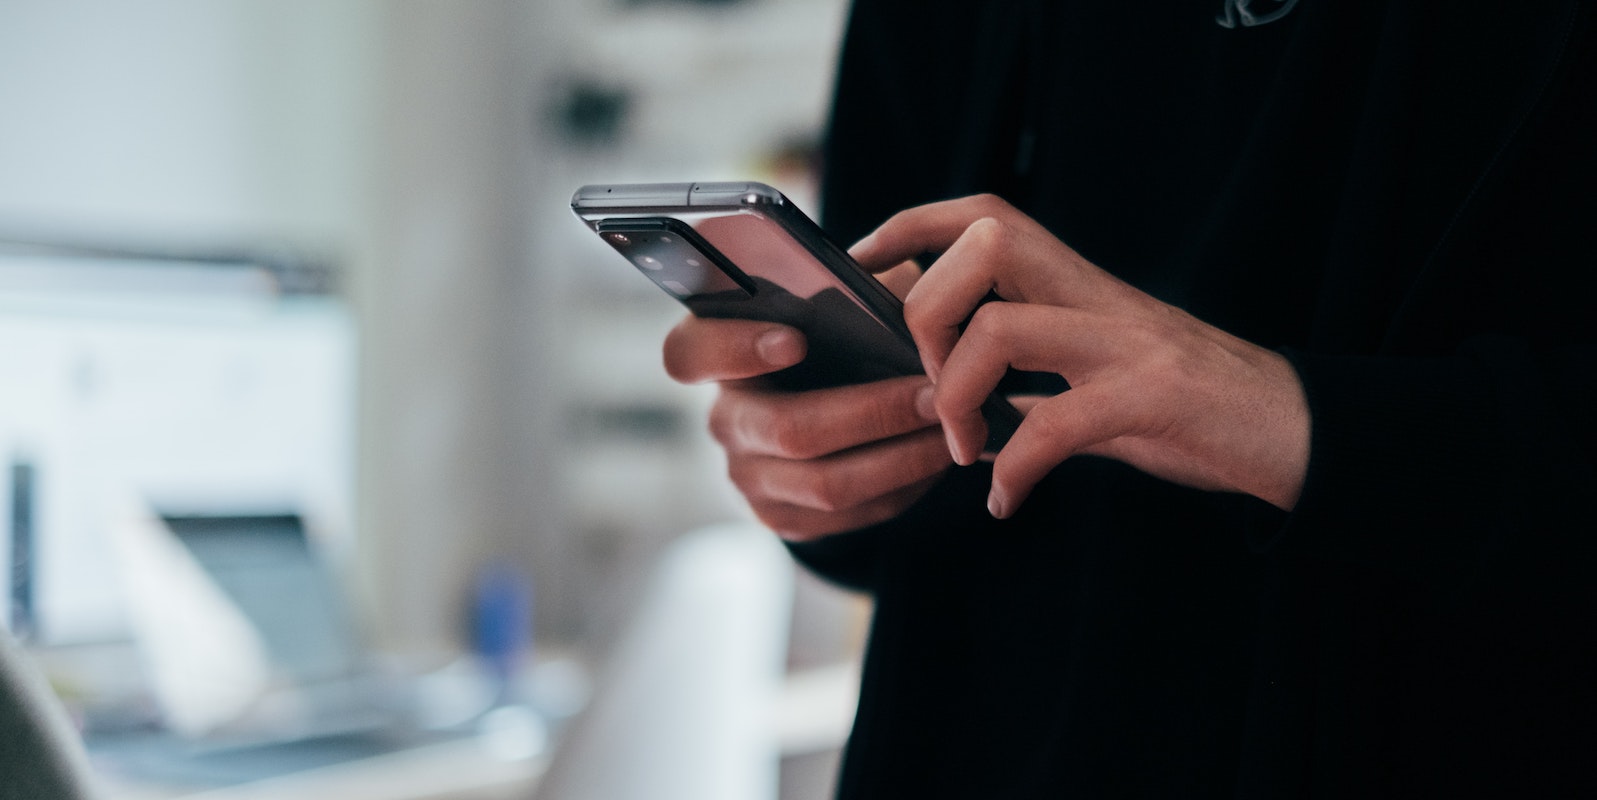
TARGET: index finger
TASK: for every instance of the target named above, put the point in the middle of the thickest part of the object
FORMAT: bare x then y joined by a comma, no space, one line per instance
933,227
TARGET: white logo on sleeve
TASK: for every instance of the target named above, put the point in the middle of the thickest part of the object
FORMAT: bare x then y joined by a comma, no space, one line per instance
1241,12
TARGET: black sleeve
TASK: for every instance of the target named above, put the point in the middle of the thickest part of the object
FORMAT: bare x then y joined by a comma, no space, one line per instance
853,559
1460,472
1464,453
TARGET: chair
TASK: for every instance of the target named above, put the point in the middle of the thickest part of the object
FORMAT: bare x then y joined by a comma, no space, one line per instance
41,757
683,707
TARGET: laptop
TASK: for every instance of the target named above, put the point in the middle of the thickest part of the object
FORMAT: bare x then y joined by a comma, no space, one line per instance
338,708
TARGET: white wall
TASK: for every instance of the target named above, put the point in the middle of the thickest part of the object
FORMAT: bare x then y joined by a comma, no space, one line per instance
184,118
440,309
410,142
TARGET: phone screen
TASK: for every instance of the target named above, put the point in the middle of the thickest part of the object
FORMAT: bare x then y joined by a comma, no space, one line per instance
745,265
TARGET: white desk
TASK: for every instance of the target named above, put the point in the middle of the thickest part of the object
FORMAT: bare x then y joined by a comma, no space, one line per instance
458,770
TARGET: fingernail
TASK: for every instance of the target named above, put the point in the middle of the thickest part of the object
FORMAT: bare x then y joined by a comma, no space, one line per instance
925,403
996,503
954,448
779,347
863,245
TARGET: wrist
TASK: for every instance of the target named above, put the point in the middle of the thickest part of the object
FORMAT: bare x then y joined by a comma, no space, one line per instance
1282,436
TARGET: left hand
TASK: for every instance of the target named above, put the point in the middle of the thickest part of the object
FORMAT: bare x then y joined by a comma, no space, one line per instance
1150,385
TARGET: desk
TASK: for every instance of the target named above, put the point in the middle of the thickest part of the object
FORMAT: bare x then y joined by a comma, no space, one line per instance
456,770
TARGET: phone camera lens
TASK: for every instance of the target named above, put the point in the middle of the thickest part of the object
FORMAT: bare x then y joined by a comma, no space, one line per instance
620,238
649,262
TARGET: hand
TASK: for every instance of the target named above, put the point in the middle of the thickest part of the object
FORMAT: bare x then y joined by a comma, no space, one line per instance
818,462
1150,385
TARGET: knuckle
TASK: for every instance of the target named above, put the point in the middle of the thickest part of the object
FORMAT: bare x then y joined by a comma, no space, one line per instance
989,234
824,491
994,322
917,315
1047,422
993,242
947,407
946,404
1163,365
788,437
792,524
1167,368
743,478
780,519
676,354
1054,431
793,426
791,527
988,319
758,422
721,420
879,418
991,204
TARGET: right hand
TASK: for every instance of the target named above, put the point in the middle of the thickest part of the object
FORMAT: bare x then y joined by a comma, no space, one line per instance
810,463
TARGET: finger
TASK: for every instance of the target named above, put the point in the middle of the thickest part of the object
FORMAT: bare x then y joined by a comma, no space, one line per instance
1024,403
1055,430
940,303
845,480
798,524
1067,342
1025,262
811,424
699,350
900,279
929,228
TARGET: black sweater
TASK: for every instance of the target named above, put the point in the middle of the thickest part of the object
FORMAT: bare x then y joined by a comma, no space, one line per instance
1402,197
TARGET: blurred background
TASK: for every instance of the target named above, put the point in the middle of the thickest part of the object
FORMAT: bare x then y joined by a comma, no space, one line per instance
338,459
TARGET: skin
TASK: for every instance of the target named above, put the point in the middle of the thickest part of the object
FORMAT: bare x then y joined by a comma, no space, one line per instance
1151,385
811,463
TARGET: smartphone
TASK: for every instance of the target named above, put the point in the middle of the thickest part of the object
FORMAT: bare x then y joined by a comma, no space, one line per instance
744,251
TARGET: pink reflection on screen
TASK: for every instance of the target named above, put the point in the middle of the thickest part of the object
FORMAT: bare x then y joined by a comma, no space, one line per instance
759,247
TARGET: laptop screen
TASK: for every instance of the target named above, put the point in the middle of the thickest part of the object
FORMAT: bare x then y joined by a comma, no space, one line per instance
267,565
